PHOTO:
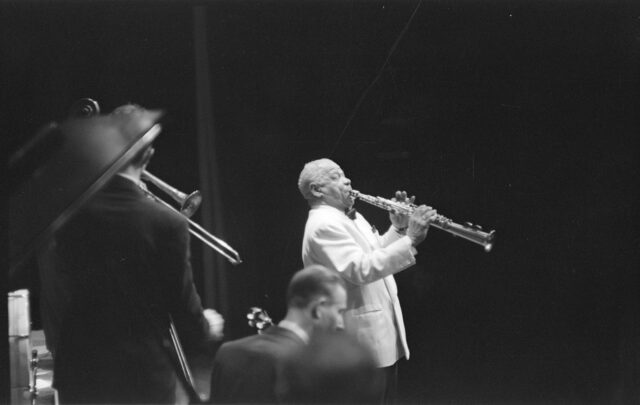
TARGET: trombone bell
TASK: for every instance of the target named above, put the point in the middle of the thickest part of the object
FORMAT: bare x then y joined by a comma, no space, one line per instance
189,204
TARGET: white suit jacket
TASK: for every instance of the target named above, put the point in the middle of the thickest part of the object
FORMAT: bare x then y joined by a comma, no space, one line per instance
367,261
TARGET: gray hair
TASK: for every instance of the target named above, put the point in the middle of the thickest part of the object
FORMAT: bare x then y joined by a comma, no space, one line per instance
314,172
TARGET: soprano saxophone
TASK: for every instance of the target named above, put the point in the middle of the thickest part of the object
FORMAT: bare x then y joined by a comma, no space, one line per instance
470,232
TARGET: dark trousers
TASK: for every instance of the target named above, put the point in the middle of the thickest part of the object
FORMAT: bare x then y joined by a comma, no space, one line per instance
390,392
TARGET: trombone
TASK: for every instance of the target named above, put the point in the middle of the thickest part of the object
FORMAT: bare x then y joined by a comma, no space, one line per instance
87,107
188,206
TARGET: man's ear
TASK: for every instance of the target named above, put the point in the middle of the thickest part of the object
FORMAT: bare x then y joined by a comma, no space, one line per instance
315,190
316,313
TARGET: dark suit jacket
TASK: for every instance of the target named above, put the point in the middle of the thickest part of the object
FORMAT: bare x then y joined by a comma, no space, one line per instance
128,259
244,370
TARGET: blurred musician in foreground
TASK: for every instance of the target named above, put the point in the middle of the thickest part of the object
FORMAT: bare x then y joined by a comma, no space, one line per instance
128,261
54,294
334,368
245,370
342,240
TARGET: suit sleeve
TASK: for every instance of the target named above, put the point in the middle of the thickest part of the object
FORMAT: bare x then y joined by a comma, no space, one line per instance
332,246
391,236
218,388
184,303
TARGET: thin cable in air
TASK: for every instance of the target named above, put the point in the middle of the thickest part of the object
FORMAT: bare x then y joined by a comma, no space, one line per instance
376,78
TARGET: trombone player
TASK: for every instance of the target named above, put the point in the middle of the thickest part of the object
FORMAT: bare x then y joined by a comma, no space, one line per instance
128,261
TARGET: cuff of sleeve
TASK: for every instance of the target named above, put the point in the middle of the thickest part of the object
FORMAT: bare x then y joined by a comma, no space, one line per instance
401,231
412,248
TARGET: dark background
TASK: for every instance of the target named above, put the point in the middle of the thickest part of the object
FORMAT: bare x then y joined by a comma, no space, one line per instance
519,116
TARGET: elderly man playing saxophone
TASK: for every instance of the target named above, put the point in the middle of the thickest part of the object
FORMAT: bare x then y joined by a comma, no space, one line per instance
366,260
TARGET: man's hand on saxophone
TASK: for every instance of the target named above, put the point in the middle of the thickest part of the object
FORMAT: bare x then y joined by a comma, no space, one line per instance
419,223
400,220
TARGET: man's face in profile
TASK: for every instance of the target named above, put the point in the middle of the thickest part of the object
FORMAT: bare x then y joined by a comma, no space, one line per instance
332,310
336,188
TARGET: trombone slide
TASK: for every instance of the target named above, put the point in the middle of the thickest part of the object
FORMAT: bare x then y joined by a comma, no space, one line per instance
189,204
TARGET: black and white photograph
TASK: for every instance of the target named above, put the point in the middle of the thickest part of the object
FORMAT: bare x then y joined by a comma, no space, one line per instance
320,201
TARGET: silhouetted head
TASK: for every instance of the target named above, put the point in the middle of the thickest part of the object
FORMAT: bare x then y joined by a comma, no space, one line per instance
130,111
319,296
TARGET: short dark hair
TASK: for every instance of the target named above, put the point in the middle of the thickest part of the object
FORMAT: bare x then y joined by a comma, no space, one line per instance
311,282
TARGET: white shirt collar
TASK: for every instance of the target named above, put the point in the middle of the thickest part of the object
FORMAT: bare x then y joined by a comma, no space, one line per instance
293,327
328,208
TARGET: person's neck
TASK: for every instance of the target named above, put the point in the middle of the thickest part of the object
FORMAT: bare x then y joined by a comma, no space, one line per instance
297,317
133,173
